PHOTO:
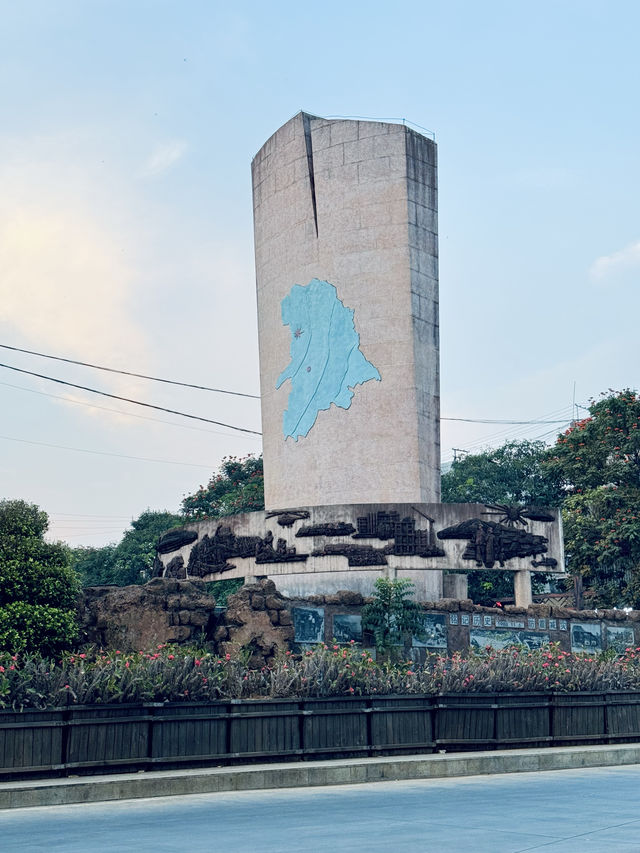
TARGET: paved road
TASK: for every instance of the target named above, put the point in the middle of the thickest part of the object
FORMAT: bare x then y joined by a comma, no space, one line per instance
556,812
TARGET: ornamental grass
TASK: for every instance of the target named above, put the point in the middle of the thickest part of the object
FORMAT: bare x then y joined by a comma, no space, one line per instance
178,674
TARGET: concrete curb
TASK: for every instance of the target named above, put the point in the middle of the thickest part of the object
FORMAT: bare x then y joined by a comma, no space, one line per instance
166,783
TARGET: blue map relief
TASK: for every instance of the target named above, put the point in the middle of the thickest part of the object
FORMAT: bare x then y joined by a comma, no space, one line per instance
326,361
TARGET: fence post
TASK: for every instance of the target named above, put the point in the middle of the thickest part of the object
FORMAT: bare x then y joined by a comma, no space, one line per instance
150,709
301,716
64,740
228,719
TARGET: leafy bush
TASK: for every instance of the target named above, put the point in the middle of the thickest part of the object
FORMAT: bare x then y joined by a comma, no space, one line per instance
131,560
38,588
36,626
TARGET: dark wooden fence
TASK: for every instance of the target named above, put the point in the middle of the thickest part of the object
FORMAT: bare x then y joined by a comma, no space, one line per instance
98,738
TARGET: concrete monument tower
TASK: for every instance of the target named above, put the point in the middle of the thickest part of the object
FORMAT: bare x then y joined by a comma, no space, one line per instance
346,243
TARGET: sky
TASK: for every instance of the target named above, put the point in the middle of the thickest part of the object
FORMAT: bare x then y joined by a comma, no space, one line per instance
126,234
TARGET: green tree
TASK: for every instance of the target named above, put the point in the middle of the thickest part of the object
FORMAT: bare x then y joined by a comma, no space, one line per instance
392,617
95,566
514,473
237,487
38,588
131,560
597,461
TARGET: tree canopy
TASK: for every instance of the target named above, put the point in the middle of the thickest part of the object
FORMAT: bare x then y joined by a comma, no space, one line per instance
131,560
597,460
237,487
514,473
38,588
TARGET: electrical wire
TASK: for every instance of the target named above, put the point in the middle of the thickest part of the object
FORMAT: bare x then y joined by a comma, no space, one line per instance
104,453
198,387
129,373
491,421
521,433
128,399
504,434
125,414
84,515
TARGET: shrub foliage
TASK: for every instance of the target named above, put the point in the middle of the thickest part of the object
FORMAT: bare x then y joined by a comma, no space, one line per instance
38,588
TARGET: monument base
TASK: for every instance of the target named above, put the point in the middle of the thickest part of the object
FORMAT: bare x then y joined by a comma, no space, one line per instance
323,549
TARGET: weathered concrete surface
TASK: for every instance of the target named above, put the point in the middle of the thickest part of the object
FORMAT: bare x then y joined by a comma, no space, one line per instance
296,775
353,203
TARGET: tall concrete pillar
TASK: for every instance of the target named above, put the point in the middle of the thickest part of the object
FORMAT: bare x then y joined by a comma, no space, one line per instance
522,588
455,586
346,244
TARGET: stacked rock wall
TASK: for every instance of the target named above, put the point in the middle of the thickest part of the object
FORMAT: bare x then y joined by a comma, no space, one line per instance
141,617
261,621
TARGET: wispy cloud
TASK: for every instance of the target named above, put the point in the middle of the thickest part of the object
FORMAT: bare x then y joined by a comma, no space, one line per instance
70,277
164,156
64,283
618,263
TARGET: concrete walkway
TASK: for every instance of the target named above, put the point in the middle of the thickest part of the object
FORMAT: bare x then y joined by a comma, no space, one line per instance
593,810
164,783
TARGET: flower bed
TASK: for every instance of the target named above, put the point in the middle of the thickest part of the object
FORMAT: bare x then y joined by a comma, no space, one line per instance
177,674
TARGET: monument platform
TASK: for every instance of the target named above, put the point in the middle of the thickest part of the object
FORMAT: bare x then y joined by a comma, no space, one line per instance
329,548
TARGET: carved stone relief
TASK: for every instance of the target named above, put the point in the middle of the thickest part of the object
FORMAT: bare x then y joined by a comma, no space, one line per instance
491,542
175,539
331,528
266,553
289,517
357,555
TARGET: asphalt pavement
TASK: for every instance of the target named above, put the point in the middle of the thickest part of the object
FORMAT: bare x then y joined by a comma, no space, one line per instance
562,811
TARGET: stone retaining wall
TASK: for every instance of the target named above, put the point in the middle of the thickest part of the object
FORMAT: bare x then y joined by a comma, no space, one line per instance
260,619
141,617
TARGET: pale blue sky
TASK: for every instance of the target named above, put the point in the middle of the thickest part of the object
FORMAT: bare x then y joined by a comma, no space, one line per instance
125,215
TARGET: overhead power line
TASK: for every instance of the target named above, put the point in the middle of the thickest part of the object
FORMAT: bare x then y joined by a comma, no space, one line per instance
122,413
129,373
494,421
129,400
84,515
203,388
104,452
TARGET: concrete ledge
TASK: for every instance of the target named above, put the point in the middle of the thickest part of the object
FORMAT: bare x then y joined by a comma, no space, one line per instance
166,783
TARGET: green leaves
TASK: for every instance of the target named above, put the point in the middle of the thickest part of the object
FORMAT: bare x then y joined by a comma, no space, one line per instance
392,617
515,473
237,487
131,560
36,628
38,589
603,448
598,461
